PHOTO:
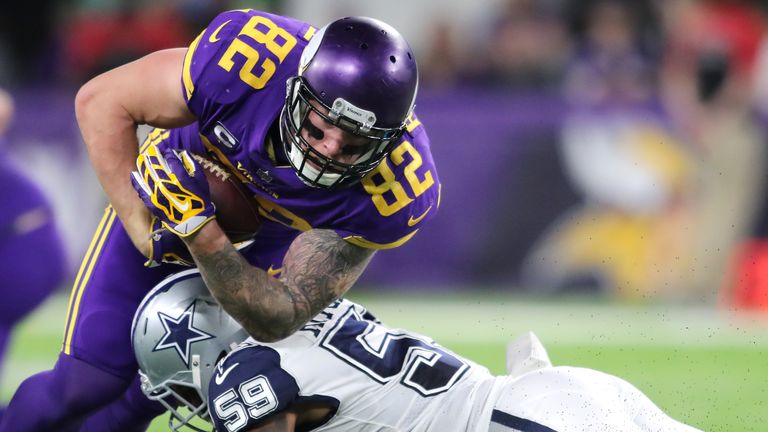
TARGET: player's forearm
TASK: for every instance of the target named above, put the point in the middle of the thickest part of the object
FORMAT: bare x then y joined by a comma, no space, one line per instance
110,106
318,268
265,308
109,133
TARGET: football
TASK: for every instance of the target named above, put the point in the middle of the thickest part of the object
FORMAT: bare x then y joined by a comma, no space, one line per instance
237,211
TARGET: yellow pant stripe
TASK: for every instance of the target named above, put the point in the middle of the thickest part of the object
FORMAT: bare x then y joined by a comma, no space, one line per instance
86,267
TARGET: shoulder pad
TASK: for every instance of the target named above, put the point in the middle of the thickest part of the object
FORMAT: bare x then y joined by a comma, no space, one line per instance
240,52
403,193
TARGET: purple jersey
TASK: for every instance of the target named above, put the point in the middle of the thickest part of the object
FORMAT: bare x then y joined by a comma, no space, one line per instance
234,80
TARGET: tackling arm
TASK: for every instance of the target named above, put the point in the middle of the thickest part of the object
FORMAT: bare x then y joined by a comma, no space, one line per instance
283,422
109,108
318,268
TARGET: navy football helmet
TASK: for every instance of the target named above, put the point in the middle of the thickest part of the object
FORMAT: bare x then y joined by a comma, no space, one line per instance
179,334
360,75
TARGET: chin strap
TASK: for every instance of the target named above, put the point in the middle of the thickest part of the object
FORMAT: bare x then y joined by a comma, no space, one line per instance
196,380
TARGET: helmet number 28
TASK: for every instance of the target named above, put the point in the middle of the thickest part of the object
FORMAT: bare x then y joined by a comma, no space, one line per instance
388,195
269,40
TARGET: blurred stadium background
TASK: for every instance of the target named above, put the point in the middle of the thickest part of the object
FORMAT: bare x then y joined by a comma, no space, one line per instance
603,170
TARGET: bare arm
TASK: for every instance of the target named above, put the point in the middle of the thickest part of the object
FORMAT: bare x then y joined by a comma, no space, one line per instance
109,108
283,422
318,268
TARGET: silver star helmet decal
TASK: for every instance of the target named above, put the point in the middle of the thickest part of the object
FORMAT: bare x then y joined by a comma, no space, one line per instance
180,333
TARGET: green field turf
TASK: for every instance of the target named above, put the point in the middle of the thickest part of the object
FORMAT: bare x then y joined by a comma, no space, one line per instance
708,368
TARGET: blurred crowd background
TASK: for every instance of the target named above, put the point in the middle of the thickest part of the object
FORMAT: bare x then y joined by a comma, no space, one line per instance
613,147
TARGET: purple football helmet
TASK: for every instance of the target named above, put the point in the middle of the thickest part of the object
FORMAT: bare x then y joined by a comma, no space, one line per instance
360,75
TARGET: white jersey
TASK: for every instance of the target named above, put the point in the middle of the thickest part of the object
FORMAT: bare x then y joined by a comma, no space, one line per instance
378,378
383,379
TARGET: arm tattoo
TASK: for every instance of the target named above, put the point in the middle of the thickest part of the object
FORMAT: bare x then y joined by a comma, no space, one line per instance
318,268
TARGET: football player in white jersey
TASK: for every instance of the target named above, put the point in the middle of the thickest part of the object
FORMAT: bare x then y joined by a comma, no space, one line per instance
345,371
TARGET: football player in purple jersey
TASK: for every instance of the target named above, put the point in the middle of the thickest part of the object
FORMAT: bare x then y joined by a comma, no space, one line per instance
317,124
32,258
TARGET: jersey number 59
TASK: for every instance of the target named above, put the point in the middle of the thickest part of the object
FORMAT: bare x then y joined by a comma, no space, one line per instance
253,398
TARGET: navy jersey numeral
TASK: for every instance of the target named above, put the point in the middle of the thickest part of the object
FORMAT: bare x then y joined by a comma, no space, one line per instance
383,355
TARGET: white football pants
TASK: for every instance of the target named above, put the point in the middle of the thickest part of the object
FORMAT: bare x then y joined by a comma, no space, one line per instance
571,399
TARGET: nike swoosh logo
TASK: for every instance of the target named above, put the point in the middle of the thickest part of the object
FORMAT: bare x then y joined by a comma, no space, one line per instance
414,220
215,35
182,207
219,378
274,271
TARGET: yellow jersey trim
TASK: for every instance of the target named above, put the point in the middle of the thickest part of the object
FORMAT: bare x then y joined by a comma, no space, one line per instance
309,33
412,122
271,150
274,272
189,86
360,241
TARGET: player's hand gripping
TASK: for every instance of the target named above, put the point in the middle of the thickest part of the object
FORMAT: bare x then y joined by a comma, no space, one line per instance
174,188
166,247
